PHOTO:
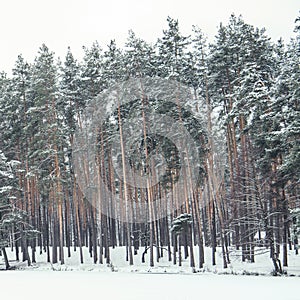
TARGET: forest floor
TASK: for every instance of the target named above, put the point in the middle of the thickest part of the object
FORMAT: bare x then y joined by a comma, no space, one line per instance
262,266
165,281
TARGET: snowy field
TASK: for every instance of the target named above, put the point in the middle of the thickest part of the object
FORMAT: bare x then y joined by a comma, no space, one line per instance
162,282
94,285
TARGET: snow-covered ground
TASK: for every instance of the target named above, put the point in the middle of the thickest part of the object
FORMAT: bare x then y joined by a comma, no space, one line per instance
130,286
262,266
162,282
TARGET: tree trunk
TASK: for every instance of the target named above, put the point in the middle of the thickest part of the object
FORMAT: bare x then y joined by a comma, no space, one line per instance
7,266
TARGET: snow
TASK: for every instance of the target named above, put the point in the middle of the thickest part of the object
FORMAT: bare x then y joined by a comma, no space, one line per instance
122,286
164,281
262,266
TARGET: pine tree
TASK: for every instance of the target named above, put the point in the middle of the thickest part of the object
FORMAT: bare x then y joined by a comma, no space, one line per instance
71,99
6,187
172,52
243,88
91,72
241,70
48,140
12,218
140,58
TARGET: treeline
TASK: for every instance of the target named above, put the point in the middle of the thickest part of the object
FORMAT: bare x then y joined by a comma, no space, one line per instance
246,95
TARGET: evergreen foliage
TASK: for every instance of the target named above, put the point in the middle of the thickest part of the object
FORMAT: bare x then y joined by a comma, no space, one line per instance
243,114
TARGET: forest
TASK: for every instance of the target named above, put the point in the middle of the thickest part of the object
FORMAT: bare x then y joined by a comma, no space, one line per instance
231,161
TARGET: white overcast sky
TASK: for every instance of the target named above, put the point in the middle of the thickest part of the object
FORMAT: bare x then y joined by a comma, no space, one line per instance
26,24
